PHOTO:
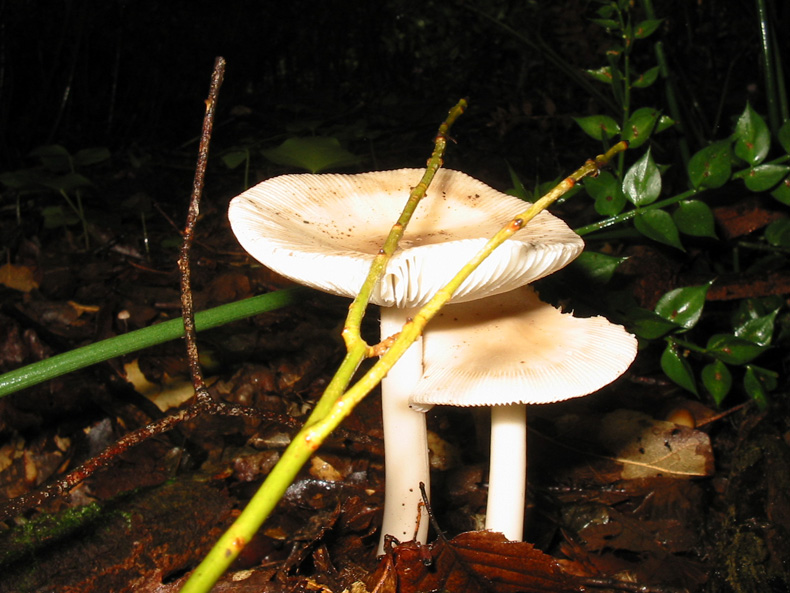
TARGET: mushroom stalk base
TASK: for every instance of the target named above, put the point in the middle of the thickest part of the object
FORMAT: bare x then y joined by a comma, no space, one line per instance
405,441
507,480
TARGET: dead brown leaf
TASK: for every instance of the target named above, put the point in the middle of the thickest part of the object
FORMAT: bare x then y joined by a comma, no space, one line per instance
476,562
21,278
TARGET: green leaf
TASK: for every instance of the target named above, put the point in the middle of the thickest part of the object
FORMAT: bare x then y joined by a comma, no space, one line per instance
602,74
234,158
54,157
91,156
518,187
755,387
752,137
764,177
710,167
732,349
67,183
782,192
677,368
642,182
597,267
646,28
57,216
659,226
608,24
647,78
759,330
314,154
664,123
683,306
717,379
648,325
639,126
778,233
598,126
784,136
605,189
694,217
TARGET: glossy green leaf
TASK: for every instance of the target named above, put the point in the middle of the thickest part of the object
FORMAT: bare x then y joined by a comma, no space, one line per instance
784,136
694,217
764,177
778,233
710,167
598,126
717,379
733,350
647,78
646,28
752,137
664,123
782,192
659,226
597,267
639,126
607,192
601,74
677,368
642,181
755,387
759,330
314,154
647,324
683,306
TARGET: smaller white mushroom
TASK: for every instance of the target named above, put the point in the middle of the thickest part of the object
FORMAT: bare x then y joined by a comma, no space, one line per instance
507,351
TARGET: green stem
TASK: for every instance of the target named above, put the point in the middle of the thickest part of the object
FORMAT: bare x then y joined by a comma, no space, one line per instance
613,220
767,48
73,360
617,219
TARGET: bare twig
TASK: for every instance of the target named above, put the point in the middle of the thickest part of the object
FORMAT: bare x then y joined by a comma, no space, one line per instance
188,312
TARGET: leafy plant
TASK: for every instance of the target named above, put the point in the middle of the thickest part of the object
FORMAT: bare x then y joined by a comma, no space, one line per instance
630,196
58,171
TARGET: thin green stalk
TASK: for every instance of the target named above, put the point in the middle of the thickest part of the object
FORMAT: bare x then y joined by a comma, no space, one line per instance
767,48
73,360
319,426
617,219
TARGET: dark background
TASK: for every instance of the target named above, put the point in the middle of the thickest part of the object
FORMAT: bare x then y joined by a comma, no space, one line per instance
132,75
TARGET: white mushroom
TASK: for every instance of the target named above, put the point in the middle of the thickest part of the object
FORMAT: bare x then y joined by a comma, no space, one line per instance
507,351
324,230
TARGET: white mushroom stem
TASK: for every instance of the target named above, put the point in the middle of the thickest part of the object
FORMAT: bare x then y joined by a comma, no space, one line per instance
507,478
405,441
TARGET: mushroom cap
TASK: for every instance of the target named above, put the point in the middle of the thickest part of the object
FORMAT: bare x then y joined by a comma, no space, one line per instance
324,230
513,348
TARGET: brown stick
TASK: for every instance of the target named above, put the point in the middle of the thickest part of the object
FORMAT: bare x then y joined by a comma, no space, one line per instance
187,307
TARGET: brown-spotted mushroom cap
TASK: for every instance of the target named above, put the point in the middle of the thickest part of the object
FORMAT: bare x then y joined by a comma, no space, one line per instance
324,230
507,351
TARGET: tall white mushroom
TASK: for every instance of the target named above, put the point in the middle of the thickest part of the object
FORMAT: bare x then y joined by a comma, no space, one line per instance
507,351
323,231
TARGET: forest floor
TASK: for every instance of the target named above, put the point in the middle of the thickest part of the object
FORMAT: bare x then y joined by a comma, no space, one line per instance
636,488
